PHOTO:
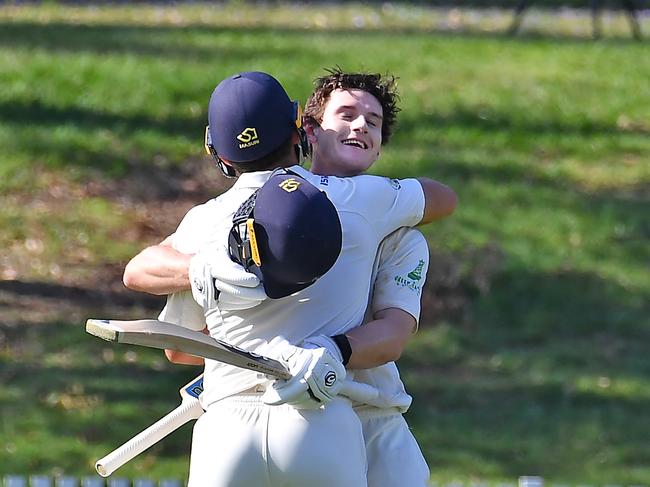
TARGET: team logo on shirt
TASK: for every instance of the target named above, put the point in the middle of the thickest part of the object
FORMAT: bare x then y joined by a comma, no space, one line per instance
395,184
416,274
289,185
411,280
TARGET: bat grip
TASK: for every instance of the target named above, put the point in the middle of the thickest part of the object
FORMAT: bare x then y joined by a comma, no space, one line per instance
188,410
359,391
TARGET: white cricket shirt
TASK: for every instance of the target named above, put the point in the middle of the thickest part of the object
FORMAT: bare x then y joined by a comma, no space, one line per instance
369,207
398,276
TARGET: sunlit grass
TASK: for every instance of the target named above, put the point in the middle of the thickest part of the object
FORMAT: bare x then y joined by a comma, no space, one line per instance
531,355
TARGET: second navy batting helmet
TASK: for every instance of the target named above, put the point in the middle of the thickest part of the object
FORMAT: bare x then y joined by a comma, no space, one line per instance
288,233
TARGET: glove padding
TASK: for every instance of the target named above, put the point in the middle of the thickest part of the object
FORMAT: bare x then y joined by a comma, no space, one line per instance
318,375
218,282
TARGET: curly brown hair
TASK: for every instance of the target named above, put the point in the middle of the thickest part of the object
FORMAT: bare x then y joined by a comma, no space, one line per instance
384,88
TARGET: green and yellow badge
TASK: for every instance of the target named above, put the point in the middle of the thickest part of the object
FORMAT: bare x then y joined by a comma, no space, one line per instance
411,280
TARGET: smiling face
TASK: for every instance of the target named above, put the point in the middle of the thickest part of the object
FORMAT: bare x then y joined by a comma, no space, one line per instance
348,140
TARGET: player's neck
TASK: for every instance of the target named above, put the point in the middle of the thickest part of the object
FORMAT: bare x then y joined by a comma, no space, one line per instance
325,167
317,167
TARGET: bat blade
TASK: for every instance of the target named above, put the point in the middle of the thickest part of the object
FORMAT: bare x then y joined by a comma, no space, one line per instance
159,334
189,409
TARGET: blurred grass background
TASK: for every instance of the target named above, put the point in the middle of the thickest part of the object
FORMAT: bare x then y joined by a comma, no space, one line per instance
532,355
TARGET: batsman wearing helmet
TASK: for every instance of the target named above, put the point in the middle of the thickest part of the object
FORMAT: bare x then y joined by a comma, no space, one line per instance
322,318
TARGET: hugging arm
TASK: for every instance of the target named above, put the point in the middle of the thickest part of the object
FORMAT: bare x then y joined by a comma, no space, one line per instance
159,269
163,270
381,340
439,200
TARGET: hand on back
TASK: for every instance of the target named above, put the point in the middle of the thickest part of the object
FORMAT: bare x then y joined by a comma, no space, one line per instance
218,282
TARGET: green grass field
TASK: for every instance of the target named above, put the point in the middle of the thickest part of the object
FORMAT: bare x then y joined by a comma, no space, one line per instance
532,356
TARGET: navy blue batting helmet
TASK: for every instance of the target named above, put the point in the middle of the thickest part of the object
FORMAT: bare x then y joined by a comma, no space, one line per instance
288,233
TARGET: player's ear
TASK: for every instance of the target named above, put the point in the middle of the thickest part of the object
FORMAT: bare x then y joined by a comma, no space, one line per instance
310,125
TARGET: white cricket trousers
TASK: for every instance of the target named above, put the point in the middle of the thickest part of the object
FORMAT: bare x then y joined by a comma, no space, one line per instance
242,442
394,456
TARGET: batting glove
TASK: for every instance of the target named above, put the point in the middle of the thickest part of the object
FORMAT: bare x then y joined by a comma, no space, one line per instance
218,282
318,375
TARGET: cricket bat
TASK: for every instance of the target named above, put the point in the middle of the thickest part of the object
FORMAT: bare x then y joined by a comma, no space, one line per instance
163,335
189,409
159,334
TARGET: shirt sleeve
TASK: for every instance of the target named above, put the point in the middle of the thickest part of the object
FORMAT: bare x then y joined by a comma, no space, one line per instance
182,310
402,270
191,231
389,204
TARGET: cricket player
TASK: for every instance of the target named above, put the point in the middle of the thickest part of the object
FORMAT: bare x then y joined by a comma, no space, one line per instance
341,302
335,107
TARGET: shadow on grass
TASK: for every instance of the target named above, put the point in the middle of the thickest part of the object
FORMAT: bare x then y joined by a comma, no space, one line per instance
37,113
112,163
535,420
498,307
526,308
82,296
504,431
33,303
104,158
87,395
491,121
155,40
547,369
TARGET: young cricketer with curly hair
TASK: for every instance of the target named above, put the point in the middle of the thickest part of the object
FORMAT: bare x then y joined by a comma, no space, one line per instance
349,117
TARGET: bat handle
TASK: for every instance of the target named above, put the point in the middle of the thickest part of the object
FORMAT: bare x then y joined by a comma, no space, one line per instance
188,410
359,391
